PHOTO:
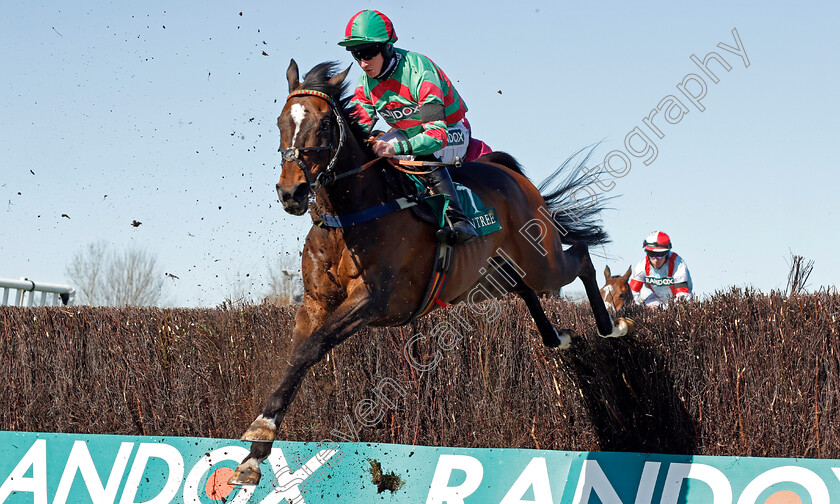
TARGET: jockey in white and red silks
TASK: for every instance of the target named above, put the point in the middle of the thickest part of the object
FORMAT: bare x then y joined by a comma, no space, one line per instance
662,275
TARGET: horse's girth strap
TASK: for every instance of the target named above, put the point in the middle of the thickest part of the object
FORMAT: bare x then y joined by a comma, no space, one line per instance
368,214
444,254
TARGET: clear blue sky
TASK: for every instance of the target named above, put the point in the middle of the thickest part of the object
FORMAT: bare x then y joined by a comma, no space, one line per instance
165,113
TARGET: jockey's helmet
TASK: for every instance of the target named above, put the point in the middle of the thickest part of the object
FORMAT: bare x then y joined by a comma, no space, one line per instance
657,242
368,27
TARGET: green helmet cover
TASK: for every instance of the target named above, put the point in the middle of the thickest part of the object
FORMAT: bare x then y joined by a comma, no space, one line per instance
367,27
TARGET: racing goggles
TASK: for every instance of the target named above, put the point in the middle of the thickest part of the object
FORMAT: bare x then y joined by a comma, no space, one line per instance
366,52
657,255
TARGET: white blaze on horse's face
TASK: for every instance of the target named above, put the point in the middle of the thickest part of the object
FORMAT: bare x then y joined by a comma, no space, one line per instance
298,113
606,293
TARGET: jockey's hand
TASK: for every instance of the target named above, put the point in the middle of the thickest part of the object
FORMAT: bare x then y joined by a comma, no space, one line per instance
382,149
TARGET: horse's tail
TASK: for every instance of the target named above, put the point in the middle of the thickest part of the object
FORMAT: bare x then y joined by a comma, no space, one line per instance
576,204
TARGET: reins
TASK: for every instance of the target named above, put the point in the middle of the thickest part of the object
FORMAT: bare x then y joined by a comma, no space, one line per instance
327,176
396,163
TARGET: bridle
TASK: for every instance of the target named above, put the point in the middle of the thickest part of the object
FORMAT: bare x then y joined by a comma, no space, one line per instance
293,153
612,296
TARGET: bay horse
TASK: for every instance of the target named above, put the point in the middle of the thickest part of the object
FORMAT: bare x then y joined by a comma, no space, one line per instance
374,273
616,291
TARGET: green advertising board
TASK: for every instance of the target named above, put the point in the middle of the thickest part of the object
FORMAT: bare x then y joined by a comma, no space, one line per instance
43,468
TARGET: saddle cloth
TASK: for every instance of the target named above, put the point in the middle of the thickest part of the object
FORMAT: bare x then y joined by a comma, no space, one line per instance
482,217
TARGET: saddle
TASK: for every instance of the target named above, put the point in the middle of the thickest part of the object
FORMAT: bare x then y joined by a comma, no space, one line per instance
433,207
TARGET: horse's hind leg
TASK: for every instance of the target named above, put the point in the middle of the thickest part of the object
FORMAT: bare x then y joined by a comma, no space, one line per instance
550,335
587,275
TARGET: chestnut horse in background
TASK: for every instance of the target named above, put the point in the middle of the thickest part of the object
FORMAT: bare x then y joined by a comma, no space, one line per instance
616,291
375,273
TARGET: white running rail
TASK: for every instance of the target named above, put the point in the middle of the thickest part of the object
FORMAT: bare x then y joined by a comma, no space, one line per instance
25,293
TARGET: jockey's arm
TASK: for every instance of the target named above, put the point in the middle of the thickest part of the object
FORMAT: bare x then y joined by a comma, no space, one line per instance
682,291
431,137
636,284
420,144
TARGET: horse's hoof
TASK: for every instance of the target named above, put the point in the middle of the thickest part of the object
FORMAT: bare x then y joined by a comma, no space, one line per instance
565,336
562,340
621,327
631,325
246,473
261,430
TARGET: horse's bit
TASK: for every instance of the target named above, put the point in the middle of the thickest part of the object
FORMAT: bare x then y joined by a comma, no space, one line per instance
293,153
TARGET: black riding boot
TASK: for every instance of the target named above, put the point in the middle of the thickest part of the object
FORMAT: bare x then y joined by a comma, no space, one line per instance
440,182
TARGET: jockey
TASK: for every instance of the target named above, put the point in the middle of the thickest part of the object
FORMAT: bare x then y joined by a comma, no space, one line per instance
662,275
415,98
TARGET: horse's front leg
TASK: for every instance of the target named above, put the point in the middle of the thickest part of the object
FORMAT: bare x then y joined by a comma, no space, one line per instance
355,312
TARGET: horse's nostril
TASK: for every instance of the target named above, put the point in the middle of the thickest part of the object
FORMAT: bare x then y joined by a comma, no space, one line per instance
284,193
301,192
293,195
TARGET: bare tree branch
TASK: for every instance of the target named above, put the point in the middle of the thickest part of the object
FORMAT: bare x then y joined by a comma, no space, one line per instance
285,281
798,275
108,278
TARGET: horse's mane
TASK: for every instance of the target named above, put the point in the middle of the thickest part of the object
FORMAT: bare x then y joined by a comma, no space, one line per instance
318,79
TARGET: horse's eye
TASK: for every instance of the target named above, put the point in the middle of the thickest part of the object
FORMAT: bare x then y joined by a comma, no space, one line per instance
325,125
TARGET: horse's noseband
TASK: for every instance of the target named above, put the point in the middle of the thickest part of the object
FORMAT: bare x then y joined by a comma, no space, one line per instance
293,154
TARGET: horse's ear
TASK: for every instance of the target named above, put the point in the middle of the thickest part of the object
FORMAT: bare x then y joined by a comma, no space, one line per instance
626,276
337,79
292,75
607,272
